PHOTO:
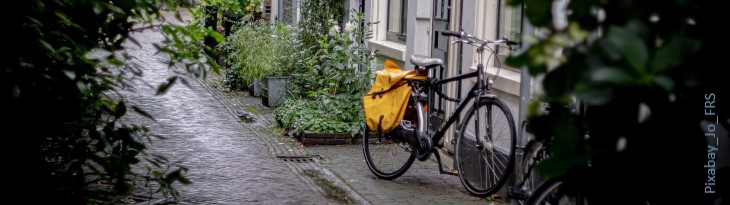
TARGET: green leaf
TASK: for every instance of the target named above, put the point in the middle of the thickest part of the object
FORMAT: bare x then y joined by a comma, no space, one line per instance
576,33
142,112
67,21
582,9
664,82
154,163
595,95
166,85
70,74
613,75
113,8
175,176
98,8
555,83
556,166
134,40
99,54
517,61
120,110
217,36
538,12
157,174
46,45
631,47
673,54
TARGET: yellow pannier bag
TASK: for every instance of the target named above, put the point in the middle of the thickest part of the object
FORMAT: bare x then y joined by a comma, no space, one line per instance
387,100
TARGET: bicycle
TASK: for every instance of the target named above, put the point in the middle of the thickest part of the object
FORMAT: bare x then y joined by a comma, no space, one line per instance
550,191
484,158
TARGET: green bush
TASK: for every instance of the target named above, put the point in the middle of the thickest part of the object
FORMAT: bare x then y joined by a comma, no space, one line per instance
251,55
257,50
315,15
329,81
325,115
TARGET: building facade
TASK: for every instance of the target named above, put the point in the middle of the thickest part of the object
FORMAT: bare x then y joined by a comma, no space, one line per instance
402,28
407,27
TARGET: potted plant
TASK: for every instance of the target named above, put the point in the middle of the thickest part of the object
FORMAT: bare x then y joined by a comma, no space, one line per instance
250,54
329,81
288,50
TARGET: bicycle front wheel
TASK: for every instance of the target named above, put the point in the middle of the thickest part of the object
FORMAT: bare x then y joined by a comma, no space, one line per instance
484,170
390,156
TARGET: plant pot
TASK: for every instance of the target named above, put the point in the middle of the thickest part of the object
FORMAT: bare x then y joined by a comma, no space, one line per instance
276,90
326,139
256,88
265,100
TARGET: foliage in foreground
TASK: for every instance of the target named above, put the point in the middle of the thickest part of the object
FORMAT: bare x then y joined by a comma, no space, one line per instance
643,69
63,112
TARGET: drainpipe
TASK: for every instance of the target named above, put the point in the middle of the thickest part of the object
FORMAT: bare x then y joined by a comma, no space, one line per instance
525,96
361,9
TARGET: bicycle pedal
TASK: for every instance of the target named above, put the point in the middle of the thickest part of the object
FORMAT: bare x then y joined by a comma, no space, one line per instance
516,193
405,124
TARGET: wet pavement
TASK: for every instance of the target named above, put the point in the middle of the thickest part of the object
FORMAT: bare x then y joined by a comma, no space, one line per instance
232,161
228,163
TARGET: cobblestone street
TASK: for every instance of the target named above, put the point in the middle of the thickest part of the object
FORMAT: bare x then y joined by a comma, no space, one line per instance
228,163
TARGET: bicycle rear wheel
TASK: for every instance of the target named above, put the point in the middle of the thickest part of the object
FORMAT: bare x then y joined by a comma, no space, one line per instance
390,156
484,171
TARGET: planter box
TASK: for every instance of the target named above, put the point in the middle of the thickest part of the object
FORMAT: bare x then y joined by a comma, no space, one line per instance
326,139
276,90
256,89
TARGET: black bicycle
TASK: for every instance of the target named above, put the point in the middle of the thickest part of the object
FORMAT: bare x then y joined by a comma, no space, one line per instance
484,153
531,189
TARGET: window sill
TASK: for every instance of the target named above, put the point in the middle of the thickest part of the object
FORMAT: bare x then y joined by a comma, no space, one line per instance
508,81
388,49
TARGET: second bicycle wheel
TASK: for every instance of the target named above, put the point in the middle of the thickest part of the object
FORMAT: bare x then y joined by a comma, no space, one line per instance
551,192
483,171
535,151
389,156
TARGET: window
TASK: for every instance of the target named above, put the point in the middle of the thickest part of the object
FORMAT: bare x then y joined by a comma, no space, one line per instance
397,21
510,24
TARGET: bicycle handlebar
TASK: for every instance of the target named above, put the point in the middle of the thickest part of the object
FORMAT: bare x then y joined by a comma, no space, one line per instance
451,33
469,39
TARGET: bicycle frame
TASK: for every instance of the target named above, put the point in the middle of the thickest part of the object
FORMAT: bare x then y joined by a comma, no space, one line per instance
477,89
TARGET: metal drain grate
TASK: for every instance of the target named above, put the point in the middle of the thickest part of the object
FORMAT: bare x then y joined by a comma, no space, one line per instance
297,159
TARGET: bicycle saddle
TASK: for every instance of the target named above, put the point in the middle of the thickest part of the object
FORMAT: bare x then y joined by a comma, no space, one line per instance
426,62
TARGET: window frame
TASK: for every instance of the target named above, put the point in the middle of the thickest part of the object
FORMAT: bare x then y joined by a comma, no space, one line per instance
502,19
399,37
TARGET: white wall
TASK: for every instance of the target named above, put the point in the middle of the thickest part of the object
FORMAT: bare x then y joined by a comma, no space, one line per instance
418,39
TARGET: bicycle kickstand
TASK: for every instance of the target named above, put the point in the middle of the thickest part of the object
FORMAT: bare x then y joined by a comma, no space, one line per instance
441,167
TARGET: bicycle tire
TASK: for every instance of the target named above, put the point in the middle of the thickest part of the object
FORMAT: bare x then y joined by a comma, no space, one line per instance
476,179
550,192
534,152
391,146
